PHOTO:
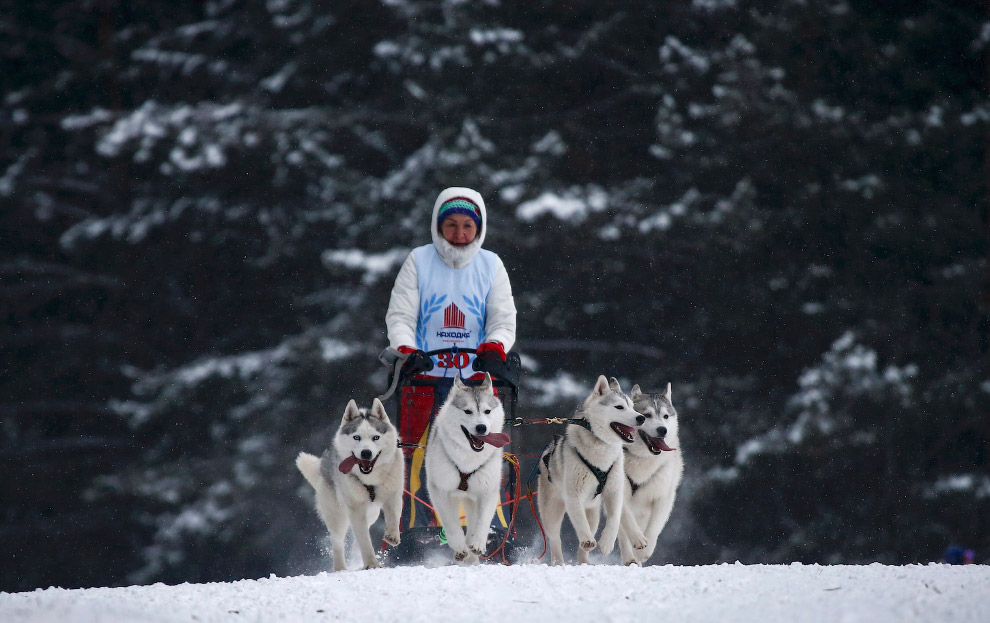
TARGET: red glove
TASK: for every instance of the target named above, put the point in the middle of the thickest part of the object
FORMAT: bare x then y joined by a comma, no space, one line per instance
406,350
491,347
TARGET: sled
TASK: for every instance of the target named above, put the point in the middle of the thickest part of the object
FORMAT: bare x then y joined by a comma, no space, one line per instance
415,399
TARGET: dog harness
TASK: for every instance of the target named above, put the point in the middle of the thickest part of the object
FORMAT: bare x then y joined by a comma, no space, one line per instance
464,479
632,484
600,475
370,488
463,486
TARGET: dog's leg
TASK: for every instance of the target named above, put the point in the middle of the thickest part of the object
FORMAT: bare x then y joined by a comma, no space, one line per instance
594,515
470,506
447,508
630,528
626,549
392,510
579,520
612,501
336,522
659,515
362,536
552,516
480,523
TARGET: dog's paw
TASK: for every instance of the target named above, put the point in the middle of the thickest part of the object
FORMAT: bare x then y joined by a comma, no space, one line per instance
644,554
606,546
589,545
392,538
373,564
630,563
639,542
460,556
477,551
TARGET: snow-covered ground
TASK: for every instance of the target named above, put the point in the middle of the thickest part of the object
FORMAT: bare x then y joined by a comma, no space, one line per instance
537,593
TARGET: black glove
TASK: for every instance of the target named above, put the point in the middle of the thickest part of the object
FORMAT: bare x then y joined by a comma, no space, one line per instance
508,369
417,361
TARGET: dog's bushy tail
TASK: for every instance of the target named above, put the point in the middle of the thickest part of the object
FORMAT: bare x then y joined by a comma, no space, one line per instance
309,465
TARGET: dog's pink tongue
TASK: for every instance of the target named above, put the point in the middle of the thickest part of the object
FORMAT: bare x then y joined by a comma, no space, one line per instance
495,439
663,446
348,464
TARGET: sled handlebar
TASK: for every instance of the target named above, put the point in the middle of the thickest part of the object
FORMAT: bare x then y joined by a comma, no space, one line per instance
452,349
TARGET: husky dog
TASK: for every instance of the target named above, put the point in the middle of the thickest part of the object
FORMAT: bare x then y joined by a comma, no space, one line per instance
464,465
583,470
653,471
353,497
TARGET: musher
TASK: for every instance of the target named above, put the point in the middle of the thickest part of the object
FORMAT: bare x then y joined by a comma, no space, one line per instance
451,295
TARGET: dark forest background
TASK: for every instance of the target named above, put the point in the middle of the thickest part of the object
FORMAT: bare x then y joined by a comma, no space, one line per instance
780,207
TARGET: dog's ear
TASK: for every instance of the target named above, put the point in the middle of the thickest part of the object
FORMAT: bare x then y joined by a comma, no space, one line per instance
378,410
458,383
486,385
666,394
635,393
614,383
351,411
601,386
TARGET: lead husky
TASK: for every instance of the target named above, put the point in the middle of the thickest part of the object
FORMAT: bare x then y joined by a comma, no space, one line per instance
585,468
348,497
464,465
653,471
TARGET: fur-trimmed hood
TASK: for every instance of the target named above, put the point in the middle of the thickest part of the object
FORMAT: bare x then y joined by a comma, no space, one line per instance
458,257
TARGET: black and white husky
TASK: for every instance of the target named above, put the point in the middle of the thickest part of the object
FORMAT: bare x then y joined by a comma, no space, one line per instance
654,466
464,465
346,496
583,471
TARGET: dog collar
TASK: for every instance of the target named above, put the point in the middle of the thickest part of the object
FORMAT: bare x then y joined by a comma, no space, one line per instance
583,423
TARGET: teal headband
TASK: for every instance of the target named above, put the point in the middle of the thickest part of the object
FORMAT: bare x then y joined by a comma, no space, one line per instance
459,205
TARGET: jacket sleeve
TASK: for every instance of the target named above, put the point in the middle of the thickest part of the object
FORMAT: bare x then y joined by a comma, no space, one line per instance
403,306
501,323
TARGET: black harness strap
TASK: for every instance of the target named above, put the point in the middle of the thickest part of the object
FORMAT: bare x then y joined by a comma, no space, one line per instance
634,486
549,450
464,480
583,423
602,476
463,486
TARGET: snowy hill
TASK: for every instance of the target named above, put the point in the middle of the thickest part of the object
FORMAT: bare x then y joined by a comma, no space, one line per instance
760,593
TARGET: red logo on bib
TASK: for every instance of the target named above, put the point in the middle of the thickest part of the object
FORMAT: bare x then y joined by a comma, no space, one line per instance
453,318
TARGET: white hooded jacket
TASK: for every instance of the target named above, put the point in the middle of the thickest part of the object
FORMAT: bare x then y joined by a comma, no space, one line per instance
402,317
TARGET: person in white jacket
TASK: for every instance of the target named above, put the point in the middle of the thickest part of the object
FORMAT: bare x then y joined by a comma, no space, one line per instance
452,294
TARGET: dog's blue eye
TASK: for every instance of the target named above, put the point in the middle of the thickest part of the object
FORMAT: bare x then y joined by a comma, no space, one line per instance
357,437
376,437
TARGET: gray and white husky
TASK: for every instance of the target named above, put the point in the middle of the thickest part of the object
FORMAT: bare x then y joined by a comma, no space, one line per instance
583,471
354,497
464,465
654,467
